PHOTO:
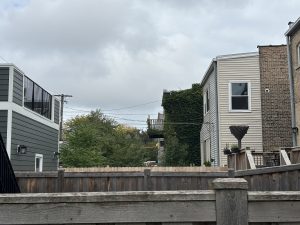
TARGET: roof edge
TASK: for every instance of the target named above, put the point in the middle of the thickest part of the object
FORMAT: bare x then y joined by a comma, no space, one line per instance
238,55
293,28
208,71
13,65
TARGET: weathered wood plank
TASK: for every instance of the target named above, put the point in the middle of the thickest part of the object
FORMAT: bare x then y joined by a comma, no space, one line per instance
231,201
274,211
274,196
110,212
250,159
275,169
284,159
200,195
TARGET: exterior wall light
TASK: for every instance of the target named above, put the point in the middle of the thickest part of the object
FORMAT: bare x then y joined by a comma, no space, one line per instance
21,149
295,130
55,155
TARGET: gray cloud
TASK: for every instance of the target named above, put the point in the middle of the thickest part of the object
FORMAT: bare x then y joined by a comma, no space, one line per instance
117,53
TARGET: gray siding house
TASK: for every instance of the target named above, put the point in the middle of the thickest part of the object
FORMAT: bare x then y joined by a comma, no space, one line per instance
29,121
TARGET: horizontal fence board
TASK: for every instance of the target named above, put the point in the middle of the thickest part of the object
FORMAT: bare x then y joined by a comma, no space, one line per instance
274,196
61,213
153,169
275,169
125,207
274,211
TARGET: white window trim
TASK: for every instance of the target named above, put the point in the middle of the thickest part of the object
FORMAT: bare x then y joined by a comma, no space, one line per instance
40,156
229,96
205,111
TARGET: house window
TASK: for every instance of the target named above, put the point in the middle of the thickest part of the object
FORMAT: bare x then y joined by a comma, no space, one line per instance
36,98
239,96
206,101
38,163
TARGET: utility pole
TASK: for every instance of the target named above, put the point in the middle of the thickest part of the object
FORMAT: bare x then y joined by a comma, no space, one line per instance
62,101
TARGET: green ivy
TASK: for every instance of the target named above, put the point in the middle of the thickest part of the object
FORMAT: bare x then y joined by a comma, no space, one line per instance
183,120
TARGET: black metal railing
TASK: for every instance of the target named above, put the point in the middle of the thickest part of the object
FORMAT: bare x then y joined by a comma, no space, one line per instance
8,181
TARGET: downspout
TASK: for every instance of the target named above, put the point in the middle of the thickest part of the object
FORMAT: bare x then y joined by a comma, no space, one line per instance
217,115
292,96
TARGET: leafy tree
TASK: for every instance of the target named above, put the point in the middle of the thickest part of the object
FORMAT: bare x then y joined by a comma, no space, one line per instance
175,153
95,140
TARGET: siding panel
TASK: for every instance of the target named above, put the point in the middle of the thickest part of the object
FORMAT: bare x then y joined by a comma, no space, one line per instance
18,88
38,138
209,126
4,83
243,68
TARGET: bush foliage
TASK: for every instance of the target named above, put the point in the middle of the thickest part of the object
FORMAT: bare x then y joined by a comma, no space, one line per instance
94,140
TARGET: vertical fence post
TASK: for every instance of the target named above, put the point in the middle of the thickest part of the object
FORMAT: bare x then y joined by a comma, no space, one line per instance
147,181
231,201
231,173
60,180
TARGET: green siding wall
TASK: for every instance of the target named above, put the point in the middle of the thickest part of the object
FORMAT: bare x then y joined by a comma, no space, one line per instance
4,83
18,88
38,138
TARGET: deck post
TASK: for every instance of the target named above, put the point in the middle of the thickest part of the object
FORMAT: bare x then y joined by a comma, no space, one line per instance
60,180
147,181
231,201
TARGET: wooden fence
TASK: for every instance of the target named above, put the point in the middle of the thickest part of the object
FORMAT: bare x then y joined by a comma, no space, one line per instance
49,182
230,203
281,178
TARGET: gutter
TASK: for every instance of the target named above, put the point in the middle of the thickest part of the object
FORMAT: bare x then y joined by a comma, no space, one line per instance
292,93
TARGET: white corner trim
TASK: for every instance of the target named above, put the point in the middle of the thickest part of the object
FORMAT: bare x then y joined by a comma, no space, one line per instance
8,135
52,107
28,113
10,84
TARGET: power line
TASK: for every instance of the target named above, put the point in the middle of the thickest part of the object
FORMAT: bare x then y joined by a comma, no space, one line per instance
3,59
134,106
118,114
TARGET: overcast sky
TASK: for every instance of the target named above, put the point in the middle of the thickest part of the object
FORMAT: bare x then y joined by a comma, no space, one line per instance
119,55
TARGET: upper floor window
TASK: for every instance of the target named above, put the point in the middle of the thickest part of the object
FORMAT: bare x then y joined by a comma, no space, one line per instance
239,96
206,101
36,98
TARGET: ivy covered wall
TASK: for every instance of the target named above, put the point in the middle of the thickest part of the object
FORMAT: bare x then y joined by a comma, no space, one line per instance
183,120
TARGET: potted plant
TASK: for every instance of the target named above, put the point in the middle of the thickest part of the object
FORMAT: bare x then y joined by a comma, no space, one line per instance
207,164
235,148
226,151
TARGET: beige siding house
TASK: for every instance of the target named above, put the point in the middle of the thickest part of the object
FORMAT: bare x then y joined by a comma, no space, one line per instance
235,72
237,98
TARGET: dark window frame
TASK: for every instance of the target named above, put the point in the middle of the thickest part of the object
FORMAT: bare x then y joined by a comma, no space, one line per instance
40,107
